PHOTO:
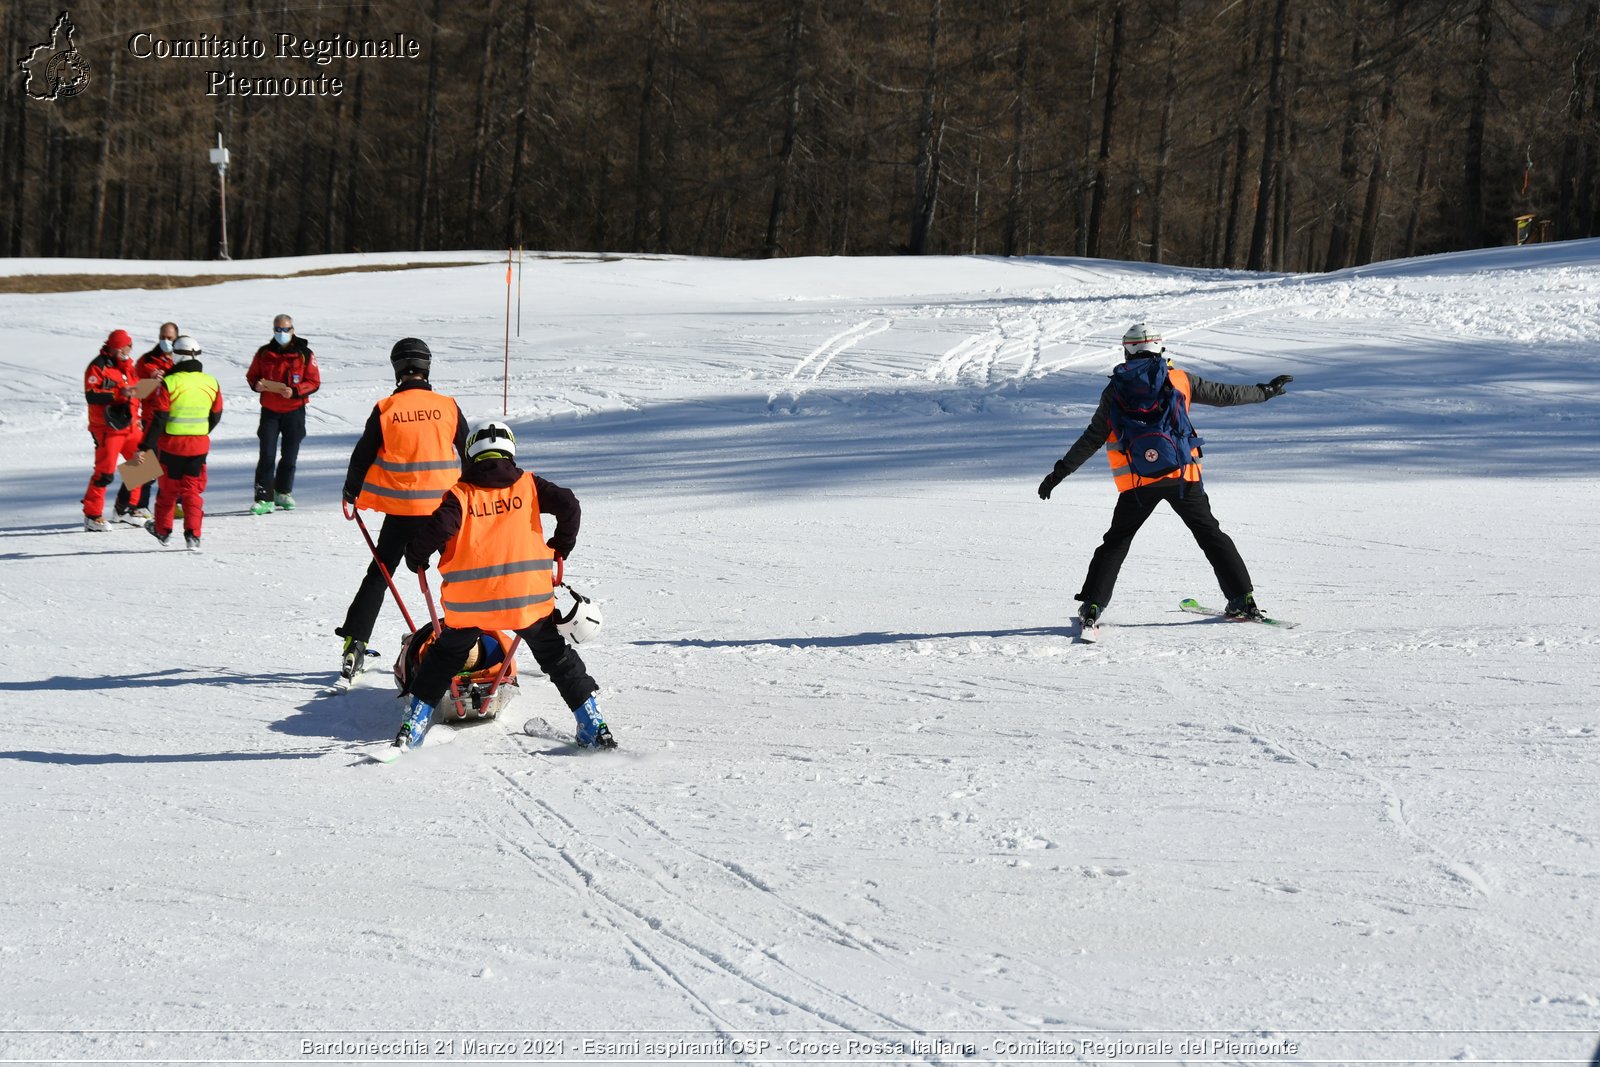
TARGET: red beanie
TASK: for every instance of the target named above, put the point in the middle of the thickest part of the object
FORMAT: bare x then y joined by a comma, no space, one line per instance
119,339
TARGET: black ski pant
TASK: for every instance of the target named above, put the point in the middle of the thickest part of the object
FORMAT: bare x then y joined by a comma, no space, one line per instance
448,654
1194,508
393,537
273,475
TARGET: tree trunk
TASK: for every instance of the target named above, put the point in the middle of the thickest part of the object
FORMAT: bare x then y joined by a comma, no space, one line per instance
530,52
1013,240
1169,97
356,237
1567,219
1366,245
102,178
783,171
643,148
1339,233
1102,167
925,187
1266,183
1474,227
430,133
480,130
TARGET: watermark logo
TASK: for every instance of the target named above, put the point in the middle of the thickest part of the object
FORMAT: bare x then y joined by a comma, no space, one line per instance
55,69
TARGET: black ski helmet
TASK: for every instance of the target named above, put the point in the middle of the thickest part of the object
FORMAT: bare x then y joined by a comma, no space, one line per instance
410,355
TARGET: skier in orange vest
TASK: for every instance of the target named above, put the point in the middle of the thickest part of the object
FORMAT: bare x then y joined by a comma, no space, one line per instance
408,456
498,572
1181,487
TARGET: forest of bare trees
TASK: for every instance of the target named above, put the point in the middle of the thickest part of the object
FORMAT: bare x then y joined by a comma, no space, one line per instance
1257,134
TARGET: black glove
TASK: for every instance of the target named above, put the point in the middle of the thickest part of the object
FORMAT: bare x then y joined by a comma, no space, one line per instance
562,546
417,564
1051,480
348,497
1275,387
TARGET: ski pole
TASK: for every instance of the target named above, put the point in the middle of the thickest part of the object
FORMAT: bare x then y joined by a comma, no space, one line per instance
353,513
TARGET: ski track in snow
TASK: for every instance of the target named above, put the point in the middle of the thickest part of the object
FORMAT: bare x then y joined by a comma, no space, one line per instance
868,783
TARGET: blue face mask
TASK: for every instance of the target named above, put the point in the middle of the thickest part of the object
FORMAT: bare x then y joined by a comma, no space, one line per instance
166,345
282,336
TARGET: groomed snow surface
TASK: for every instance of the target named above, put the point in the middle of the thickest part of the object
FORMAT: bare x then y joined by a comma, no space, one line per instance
873,802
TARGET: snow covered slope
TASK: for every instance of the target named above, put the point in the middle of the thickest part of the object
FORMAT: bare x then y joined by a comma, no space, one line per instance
870,790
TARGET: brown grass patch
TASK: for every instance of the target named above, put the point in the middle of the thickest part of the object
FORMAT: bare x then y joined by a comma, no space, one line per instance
77,283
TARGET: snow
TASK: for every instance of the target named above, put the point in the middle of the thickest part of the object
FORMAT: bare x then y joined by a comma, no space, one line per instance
870,790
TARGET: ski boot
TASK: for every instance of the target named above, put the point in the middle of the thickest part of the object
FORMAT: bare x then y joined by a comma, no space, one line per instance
1245,608
162,538
1089,622
191,541
418,719
261,507
355,659
95,524
283,502
592,729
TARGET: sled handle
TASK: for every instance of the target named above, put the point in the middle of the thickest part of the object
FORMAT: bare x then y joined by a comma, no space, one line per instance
427,594
388,579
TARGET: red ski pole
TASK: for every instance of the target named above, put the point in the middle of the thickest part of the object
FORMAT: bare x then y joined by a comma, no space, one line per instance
353,513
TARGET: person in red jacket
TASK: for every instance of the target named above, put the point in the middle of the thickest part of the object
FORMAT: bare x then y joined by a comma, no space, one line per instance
284,371
186,409
154,364
113,412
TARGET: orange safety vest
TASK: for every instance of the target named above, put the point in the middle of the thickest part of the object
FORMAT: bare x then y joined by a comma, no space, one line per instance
498,572
417,460
1123,473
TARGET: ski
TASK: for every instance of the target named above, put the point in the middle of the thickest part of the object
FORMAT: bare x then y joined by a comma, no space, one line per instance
1194,607
538,727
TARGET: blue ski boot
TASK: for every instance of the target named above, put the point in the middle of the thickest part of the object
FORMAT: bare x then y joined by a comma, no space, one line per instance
416,724
592,729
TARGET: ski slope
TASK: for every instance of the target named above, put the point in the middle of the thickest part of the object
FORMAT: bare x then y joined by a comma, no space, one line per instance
873,803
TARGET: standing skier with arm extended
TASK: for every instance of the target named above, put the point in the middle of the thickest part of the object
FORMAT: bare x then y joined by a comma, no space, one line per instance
498,573
1163,465
407,457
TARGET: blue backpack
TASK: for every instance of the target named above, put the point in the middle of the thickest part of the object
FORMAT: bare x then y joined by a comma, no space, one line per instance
1150,418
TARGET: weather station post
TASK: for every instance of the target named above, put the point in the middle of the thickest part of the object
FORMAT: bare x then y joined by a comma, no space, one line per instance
219,159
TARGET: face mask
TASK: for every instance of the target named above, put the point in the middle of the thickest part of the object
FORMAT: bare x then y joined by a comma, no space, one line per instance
282,336
166,346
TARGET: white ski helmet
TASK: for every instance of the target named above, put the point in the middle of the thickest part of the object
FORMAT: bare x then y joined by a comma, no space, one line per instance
491,437
582,622
1141,340
186,347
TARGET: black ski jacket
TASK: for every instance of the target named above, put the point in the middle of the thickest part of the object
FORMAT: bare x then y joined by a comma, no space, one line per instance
1201,391
445,522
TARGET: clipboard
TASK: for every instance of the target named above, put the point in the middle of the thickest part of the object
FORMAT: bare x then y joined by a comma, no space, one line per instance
140,470
145,388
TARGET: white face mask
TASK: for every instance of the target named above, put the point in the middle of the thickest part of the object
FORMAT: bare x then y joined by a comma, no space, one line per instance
166,345
282,336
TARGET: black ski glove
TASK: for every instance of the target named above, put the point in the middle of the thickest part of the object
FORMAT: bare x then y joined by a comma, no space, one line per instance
349,497
417,564
1047,486
562,546
1275,387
